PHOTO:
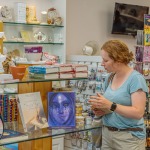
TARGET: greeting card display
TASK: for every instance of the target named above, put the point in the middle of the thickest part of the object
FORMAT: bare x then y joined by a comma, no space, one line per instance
146,21
61,109
146,54
139,53
31,111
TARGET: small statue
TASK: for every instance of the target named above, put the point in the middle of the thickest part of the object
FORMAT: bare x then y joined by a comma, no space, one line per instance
58,21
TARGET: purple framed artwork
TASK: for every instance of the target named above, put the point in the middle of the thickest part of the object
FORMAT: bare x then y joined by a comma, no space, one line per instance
61,109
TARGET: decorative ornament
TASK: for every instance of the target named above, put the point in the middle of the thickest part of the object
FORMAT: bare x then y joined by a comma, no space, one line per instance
6,14
58,21
51,15
40,37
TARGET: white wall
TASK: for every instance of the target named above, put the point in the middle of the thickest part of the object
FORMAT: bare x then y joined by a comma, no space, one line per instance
86,20
92,20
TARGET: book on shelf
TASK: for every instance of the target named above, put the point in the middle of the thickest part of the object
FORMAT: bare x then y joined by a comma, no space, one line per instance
65,67
146,21
80,67
139,53
12,136
61,109
147,37
27,36
43,69
81,74
44,76
66,75
31,111
9,109
10,147
140,37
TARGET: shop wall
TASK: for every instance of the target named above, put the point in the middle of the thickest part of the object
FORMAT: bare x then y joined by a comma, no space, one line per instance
41,5
84,20
92,20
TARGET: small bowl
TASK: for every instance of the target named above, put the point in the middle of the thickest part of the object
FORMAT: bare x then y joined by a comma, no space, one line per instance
33,56
18,72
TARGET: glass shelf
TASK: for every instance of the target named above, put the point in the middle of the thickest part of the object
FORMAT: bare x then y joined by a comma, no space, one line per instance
26,24
16,42
46,132
28,80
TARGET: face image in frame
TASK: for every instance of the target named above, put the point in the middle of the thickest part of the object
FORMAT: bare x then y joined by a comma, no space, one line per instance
61,109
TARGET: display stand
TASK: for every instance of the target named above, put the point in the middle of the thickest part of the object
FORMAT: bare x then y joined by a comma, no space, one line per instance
43,88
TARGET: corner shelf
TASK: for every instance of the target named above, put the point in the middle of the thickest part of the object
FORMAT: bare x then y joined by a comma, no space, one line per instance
28,80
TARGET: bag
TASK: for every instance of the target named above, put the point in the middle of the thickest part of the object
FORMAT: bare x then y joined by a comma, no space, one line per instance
97,121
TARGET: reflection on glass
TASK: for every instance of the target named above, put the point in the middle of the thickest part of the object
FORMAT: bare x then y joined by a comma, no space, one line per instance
1,127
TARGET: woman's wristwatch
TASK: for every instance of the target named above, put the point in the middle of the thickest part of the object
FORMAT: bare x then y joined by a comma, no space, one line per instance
113,106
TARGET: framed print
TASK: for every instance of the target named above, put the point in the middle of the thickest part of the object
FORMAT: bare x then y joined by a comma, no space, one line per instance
61,109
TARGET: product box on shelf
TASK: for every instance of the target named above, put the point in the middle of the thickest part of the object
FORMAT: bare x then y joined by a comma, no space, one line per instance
31,111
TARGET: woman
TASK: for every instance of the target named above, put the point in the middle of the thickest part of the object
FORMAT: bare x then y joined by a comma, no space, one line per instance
125,96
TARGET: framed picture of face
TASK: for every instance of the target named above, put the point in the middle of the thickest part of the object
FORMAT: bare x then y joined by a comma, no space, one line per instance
61,109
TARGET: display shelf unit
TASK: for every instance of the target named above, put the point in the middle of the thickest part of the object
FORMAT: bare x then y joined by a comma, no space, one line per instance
16,42
43,136
28,80
54,42
30,24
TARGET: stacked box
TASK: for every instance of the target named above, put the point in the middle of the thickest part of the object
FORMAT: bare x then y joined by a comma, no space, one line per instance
20,12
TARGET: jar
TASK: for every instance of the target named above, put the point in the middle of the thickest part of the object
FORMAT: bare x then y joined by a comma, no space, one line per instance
88,120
